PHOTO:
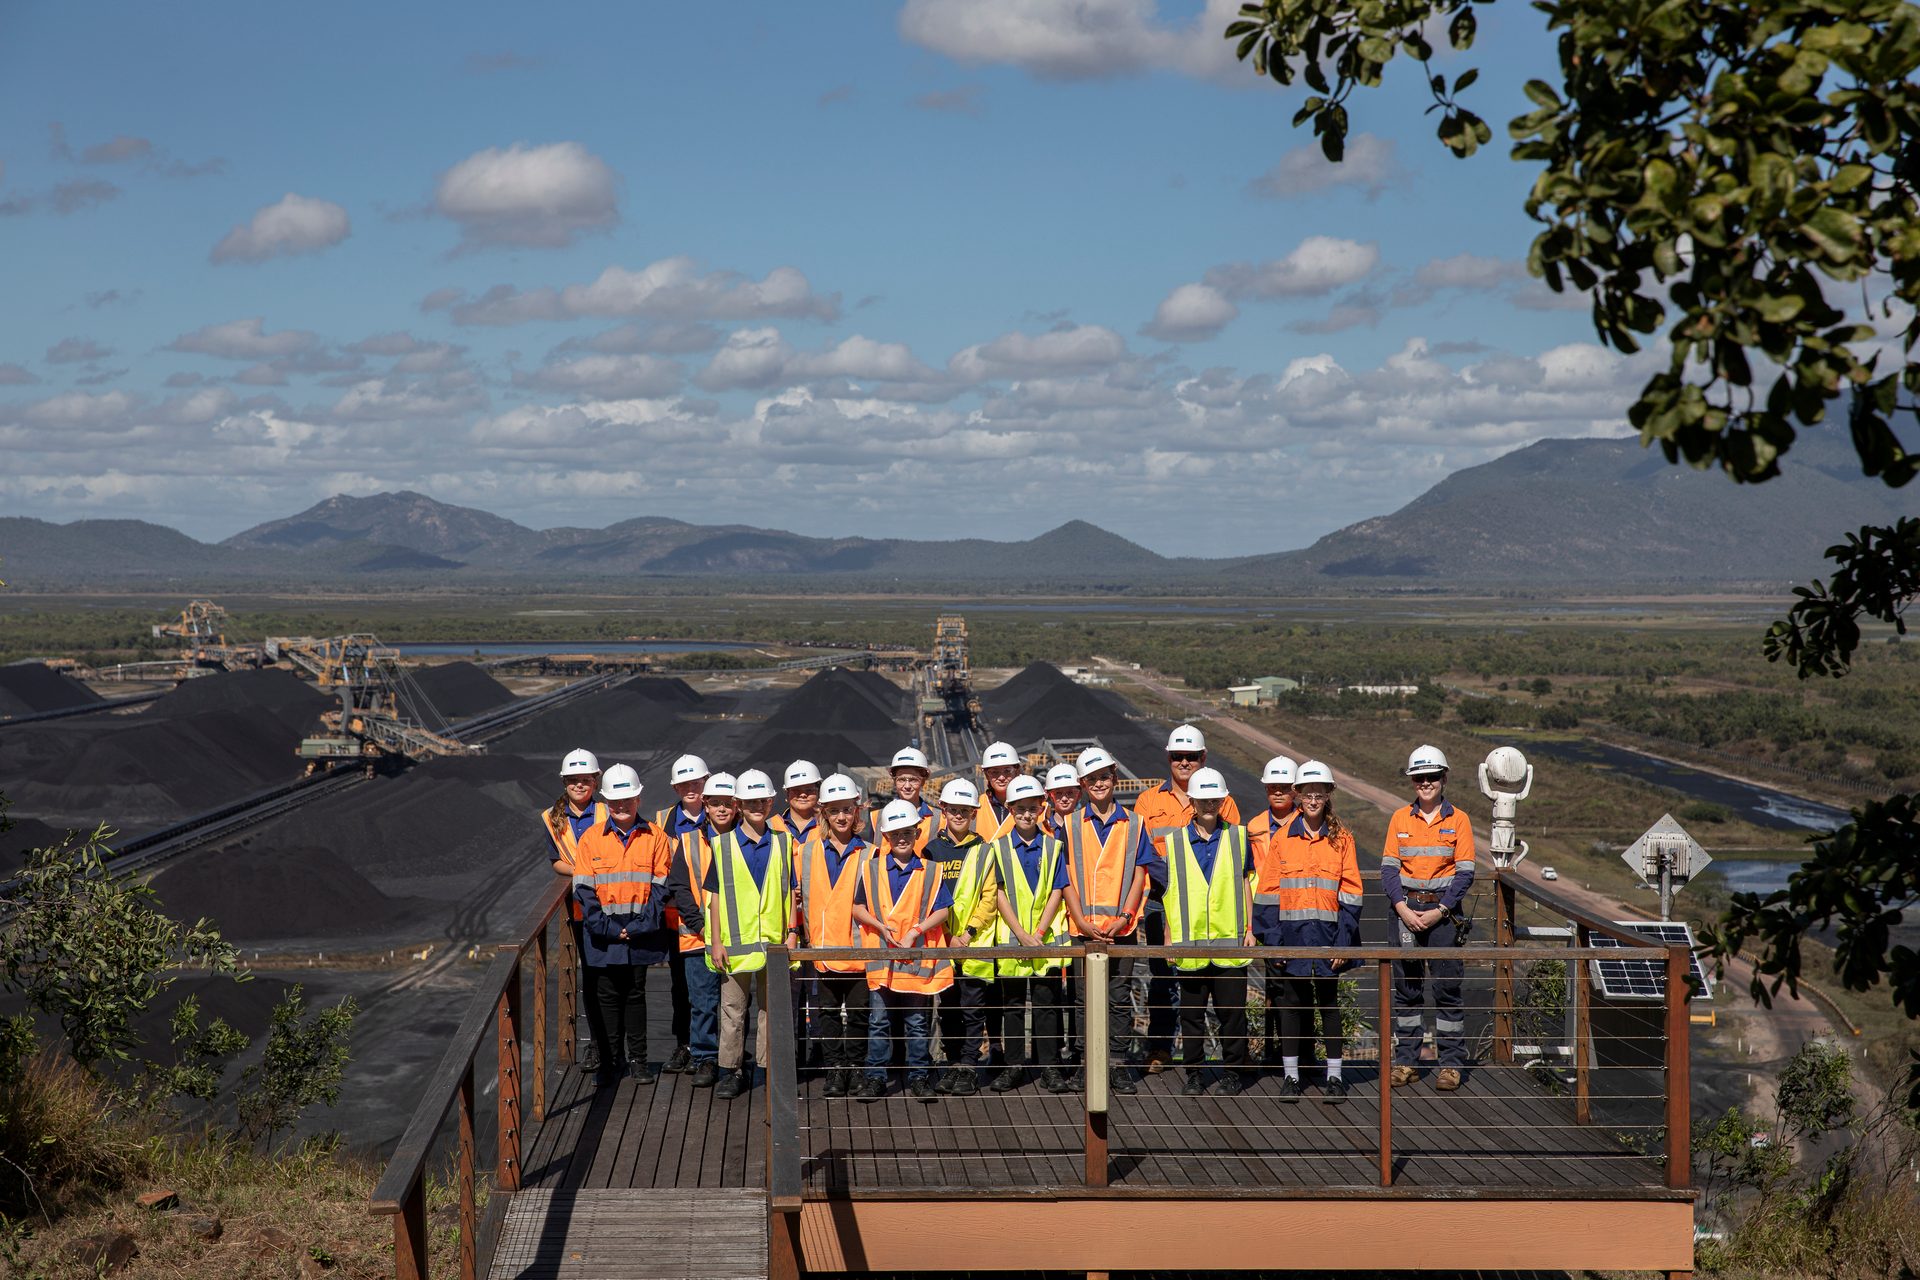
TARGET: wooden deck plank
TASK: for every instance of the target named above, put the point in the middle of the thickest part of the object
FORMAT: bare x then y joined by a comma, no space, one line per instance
632,1234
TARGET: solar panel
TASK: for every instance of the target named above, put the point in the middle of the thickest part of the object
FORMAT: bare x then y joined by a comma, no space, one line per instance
1646,979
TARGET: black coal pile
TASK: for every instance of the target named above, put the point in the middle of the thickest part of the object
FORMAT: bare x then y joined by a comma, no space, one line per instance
1040,702
266,893
276,694
457,691
837,700
25,835
30,687
827,750
623,720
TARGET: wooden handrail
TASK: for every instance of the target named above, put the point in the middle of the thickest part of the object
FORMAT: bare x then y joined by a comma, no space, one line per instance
1578,914
1145,952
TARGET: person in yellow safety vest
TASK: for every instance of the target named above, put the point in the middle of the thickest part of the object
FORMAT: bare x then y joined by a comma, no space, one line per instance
746,906
571,816
998,765
1426,869
1031,892
685,818
620,873
1110,866
1263,835
831,865
1063,797
1314,880
693,857
1209,904
1165,809
902,903
910,774
802,818
969,1011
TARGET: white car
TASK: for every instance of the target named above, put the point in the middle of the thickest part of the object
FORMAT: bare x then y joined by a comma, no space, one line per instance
1548,873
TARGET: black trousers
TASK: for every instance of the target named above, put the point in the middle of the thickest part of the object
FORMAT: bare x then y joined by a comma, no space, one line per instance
970,1016
590,994
840,1018
1227,989
1163,985
622,996
1045,996
1302,1001
682,1020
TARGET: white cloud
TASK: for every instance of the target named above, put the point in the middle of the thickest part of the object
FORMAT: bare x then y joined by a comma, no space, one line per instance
670,289
76,350
1369,166
1469,271
118,150
208,404
244,340
1073,349
293,224
1191,313
81,409
528,196
14,375
612,377
1318,266
1077,39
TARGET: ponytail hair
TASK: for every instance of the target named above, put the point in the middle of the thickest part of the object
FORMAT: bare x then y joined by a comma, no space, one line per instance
1335,827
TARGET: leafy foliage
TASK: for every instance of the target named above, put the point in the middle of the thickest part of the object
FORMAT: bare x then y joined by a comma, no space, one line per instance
1878,575
304,1060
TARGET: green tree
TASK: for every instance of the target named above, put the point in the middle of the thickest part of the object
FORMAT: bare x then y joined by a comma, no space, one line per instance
1718,167
304,1060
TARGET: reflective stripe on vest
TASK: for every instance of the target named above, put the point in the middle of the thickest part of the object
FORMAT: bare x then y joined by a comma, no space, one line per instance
966,896
625,880
699,856
1200,907
922,975
566,846
1028,902
772,901
829,913
1077,864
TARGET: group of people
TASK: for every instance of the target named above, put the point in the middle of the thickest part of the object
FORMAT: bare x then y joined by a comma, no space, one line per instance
1003,871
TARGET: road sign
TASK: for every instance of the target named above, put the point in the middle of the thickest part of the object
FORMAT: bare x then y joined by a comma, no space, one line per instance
1666,856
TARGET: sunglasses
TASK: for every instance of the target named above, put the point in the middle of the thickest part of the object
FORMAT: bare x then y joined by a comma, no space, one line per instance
1429,780
1188,757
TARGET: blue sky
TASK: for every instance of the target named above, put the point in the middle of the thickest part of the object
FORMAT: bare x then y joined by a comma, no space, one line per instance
932,269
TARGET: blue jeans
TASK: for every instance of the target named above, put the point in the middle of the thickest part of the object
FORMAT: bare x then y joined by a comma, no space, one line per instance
917,1014
703,1007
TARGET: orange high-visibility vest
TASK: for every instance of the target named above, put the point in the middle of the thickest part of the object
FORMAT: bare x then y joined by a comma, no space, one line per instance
1165,813
699,856
784,822
929,824
1427,852
826,904
565,848
919,977
1313,876
624,874
987,824
1102,871
1263,840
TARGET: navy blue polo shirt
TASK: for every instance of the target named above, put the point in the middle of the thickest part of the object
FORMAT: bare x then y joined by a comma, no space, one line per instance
1027,854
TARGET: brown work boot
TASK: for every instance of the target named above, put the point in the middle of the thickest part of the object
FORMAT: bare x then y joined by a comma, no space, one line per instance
1403,1075
1448,1080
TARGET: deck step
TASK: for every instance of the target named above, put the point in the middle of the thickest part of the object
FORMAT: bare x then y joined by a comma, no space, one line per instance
633,1233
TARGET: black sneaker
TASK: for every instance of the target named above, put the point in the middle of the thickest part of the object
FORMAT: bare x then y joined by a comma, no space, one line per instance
731,1085
872,1089
1231,1084
1053,1081
1194,1085
1011,1078
1287,1089
680,1060
643,1073
705,1073
962,1082
921,1090
1121,1081
948,1079
1333,1089
589,1059
839,1083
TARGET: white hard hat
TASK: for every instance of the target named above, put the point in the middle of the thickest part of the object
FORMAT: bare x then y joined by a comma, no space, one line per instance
1027,787
1060,777
620,783
1092,760
1313,771
898,816
800,773
688,769
960,792
719,784
838,786
754,785
579,762
1207,784
998,755
910,758
1279,772
1426,759
1186,738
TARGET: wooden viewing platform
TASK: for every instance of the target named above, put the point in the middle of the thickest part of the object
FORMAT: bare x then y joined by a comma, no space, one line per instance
1511,1172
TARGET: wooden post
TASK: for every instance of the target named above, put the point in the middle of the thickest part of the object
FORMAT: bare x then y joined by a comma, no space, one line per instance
1386,1073
410,1233
1094,1016
507,1032
570,988
1582,1032
1504,903
469,1211
540,1025
1679,1073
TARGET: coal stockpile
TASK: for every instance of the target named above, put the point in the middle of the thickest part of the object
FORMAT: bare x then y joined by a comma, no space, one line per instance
27,688
25,835
627,719
272,694
1046,704
459,690
268,893
827,750
837,701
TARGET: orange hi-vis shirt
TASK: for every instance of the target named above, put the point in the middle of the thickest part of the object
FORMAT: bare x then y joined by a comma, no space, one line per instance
698,852
1263,838
1432,856
565,848
991,823
625,875
1165,813
826,901
1102,872
914,905
929,825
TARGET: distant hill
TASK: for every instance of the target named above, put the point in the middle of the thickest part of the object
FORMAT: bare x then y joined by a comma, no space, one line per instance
1559,512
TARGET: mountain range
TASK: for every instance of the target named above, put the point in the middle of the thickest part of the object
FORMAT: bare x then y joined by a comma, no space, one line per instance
1553,514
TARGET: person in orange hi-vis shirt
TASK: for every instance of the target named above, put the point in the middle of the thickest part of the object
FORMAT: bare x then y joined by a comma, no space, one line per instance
902,902
831,865
999,764
574,814
1263,833
684,819
1426,869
